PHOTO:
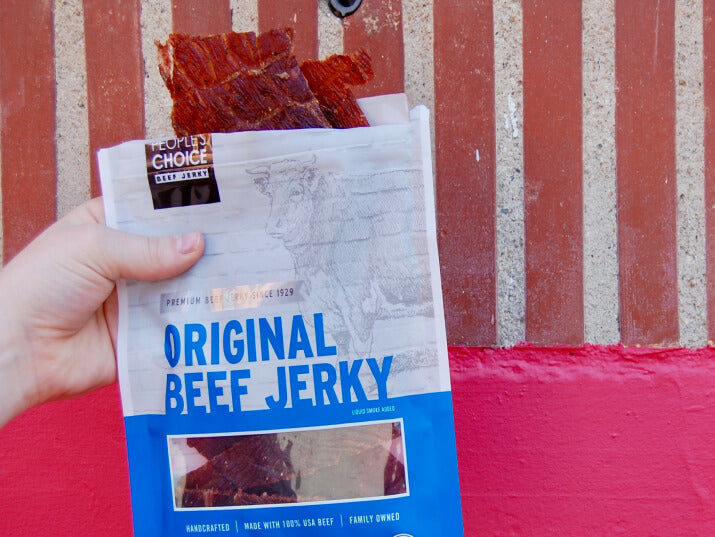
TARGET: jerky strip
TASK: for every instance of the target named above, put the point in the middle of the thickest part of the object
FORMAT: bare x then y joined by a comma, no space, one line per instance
395,482
211,446
219,498
236,82
253,462
330,80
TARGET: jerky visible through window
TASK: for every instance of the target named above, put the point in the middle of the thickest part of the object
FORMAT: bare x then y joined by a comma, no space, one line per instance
364,461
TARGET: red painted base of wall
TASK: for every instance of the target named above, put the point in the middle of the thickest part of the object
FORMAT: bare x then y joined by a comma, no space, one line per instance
589,441
593,441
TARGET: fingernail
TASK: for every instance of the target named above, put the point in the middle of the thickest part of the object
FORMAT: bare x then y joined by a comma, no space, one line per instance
189,242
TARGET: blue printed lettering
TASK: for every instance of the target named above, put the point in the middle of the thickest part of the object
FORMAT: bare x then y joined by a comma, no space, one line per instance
174,401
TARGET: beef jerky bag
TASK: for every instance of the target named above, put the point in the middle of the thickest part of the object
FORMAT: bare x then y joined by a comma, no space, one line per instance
294,381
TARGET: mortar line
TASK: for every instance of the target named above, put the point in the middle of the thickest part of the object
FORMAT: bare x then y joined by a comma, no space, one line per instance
508,77
330,32
419,54
72,123
245,15
600,238
690,167
155,26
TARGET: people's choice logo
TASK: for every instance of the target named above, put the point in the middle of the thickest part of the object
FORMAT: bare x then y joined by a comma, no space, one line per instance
181,172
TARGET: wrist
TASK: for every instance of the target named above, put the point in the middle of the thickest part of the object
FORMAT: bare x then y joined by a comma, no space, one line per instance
16,375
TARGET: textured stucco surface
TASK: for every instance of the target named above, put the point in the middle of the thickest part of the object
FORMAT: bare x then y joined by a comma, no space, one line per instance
600,256
509,101
690,171
156,26
72,127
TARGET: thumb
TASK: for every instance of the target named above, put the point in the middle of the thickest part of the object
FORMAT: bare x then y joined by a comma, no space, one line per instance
138,257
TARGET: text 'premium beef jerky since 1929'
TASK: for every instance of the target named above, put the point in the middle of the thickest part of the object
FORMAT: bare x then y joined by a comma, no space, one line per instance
295,381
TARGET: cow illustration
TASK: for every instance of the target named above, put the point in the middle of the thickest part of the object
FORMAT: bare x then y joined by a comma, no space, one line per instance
356,240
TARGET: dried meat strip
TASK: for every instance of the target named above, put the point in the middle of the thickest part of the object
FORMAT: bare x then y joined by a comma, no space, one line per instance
331,79
395,481
236,82
252,464
251,461
220,498
210,446
328,464
206,477
256,461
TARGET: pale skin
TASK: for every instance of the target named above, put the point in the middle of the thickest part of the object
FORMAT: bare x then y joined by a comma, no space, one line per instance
58,305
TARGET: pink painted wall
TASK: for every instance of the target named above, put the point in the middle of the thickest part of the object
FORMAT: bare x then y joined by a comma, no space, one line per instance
587,441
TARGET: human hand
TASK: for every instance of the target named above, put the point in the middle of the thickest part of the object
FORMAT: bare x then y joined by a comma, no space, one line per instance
58,304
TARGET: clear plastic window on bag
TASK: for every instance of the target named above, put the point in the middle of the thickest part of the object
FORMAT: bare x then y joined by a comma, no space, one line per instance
303,466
